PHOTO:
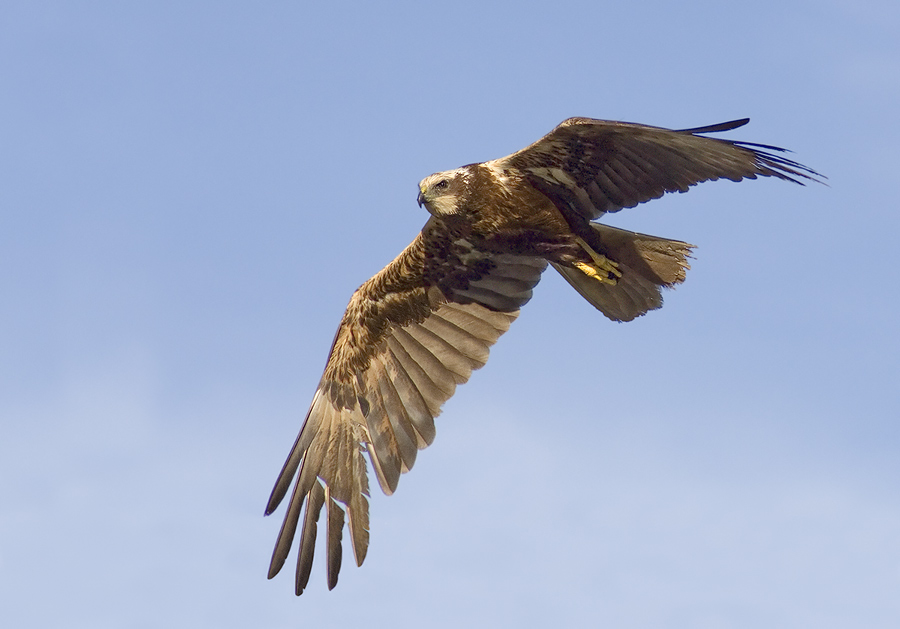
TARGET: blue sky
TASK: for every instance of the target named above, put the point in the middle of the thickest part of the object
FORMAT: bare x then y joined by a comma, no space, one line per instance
190,192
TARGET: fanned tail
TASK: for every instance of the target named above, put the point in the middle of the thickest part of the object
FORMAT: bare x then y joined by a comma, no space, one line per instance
646,263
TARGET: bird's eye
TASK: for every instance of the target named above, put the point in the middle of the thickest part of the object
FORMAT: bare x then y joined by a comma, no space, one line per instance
441,185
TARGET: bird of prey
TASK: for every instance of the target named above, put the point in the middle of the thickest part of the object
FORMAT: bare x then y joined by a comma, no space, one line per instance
419,327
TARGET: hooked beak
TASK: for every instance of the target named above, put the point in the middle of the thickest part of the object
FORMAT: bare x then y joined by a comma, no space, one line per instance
421,198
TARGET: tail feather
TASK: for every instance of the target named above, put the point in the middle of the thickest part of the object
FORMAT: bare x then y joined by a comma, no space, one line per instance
647,264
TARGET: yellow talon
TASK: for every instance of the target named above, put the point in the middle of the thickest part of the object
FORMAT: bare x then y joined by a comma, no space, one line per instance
603,269
590,271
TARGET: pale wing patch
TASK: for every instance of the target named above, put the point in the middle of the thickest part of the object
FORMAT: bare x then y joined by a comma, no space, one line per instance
552,174
498,174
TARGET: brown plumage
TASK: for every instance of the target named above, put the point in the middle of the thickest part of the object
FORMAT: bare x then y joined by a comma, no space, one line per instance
417,329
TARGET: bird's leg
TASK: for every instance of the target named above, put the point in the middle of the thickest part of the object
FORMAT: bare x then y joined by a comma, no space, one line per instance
603,269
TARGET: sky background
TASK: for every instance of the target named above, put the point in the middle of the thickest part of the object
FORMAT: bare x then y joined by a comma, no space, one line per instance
191,191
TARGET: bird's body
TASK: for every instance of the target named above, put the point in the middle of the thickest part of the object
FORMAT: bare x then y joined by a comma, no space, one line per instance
421,325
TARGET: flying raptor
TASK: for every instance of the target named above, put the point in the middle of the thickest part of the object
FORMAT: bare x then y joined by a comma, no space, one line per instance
417,329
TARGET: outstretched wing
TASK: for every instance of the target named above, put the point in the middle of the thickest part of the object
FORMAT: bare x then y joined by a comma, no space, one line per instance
409,336
590,167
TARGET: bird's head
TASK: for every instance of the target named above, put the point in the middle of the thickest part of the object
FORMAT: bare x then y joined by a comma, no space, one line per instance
442,193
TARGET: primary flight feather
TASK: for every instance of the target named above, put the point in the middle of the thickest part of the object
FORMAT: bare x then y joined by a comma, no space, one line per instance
417,329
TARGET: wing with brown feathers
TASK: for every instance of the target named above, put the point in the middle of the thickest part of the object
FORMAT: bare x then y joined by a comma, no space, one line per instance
409,336
590,167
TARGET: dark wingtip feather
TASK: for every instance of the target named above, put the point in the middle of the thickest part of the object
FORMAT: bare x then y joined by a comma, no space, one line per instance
289,469
286,534
716,128
779,166
335,530
274,500
308,538
281,486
